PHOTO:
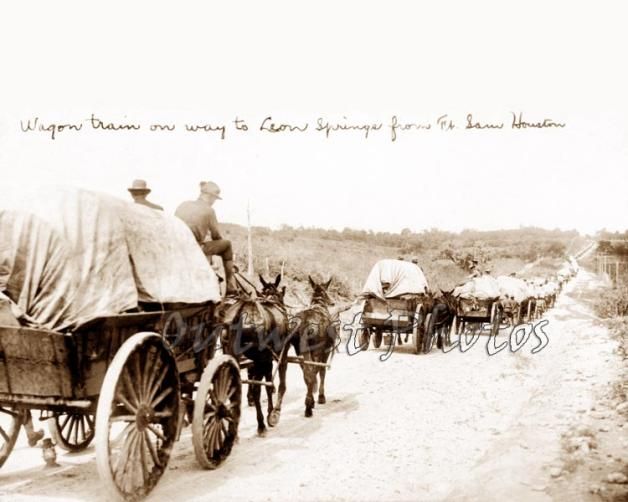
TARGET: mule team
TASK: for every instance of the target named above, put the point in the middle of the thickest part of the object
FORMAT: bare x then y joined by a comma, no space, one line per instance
258,331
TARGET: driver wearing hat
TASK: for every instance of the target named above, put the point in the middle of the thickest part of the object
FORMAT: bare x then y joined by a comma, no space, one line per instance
139,190
200,217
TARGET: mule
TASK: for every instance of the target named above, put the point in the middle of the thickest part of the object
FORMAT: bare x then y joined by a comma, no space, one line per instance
443,312
314,337
261,328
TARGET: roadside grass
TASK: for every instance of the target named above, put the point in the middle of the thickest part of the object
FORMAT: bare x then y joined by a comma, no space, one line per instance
348,260
543,268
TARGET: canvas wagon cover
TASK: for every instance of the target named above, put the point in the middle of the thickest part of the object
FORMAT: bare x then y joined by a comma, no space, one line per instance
404,278
480,288
550,288
69,255
515,287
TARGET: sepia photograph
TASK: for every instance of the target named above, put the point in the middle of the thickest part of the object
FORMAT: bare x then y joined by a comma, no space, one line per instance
334,251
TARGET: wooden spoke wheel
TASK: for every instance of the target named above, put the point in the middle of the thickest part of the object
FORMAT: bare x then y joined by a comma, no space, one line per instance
462,327
217,411
453,330
72,431
138,415
493,311
377,338
496,319
418,330
428,334
10,423
530,313
363,338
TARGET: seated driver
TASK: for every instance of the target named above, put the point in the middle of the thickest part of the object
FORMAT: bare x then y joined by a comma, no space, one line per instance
200,217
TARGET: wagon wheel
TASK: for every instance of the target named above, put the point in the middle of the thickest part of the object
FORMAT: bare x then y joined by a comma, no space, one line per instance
418,330
428,333
493,310
10,423
529,312
453,330
461,326
363,339
516,316
377,338
496,321
217,411
137,419
72,431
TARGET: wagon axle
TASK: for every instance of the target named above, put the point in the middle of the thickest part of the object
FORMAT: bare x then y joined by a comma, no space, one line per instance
144,417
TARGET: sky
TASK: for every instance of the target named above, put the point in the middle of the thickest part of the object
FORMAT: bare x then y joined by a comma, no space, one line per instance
342,62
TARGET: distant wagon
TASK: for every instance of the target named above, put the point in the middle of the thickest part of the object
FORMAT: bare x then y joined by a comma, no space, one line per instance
543,293
515,296
395,302
108,334
477,305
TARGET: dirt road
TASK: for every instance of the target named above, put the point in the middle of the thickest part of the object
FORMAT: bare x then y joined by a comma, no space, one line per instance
455,426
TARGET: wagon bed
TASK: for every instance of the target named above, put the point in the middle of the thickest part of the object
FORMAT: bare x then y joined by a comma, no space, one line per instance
47,369
143,369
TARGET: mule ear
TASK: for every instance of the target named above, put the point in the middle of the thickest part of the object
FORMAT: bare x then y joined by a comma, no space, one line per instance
277,280
312,283
328,283
264,283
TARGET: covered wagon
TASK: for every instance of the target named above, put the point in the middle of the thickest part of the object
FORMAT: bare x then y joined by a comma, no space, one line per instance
107,332
516,299
478,303
396,302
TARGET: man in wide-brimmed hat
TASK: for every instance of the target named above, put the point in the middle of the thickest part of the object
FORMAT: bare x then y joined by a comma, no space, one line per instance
139,190
200,216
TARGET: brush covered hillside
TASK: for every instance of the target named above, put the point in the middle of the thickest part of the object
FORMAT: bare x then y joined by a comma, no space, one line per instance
348,255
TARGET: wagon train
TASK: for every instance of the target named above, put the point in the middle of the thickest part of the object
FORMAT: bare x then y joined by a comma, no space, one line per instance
107,331
395,302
